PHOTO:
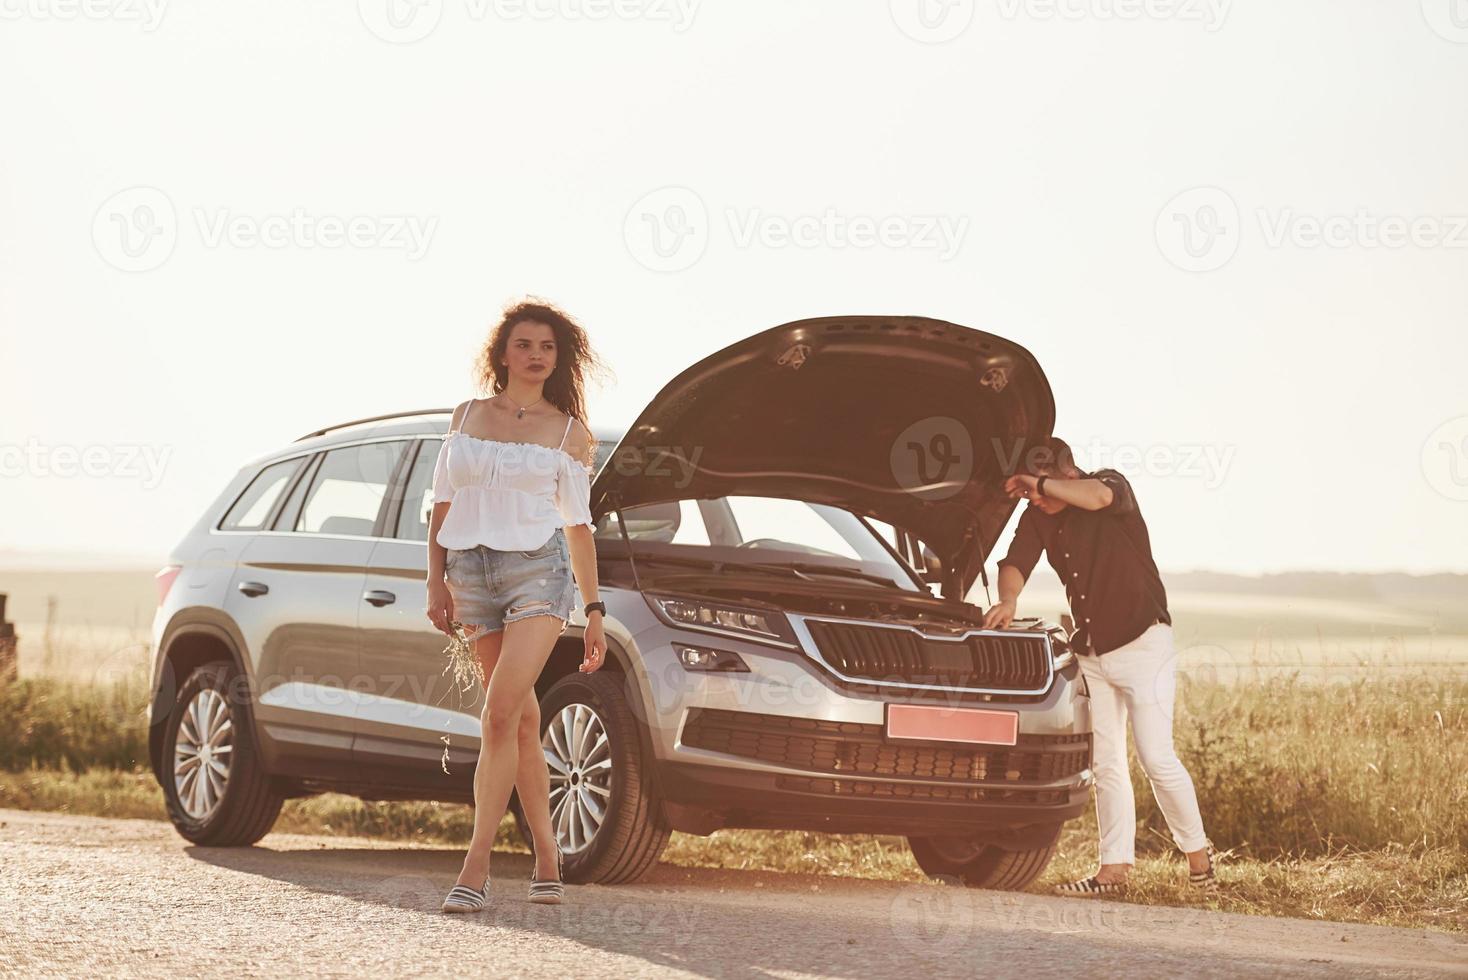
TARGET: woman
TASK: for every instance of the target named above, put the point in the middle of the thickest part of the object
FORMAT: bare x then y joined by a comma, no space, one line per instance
511,498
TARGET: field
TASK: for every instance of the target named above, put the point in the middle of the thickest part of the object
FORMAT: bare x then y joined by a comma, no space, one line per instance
1327,736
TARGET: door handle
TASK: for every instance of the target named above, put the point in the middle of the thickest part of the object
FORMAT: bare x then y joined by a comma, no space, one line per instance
253,589
380,597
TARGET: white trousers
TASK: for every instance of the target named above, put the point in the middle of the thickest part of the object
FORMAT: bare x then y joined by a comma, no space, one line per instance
1138,681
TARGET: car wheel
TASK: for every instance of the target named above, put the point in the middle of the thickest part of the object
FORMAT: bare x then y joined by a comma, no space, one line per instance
213,785
607,817
979,864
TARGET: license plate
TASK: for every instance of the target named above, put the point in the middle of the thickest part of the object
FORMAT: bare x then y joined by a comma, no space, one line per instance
915,721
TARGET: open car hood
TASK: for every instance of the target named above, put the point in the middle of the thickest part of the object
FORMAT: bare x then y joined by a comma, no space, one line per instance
912,421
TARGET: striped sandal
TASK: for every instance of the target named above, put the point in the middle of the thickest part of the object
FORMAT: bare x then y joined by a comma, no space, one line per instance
462,898
1204,881
550,892
1090,887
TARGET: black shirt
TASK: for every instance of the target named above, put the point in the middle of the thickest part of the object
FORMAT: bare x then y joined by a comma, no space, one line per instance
1104,557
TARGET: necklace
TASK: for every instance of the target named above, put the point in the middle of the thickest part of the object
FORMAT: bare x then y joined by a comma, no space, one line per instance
520,413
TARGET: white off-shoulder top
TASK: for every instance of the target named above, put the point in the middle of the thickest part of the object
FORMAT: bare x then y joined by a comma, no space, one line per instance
511,496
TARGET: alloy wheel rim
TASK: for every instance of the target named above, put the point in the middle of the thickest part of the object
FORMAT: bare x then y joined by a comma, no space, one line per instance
202,754
579,756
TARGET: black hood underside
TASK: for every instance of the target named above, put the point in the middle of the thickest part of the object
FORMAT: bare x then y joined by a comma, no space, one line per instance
912,421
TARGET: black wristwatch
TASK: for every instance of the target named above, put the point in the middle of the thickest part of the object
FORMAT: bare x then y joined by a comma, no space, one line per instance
598,606
1040,485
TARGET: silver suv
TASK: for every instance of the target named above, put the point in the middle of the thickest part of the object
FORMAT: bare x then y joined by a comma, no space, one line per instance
783,535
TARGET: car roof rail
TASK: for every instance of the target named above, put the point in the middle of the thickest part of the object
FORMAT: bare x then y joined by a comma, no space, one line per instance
377,418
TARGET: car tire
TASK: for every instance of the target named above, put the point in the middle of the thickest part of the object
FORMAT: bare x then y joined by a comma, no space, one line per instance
634,829
978,864
236,807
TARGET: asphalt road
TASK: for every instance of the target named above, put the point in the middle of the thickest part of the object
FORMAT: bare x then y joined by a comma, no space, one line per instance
89,895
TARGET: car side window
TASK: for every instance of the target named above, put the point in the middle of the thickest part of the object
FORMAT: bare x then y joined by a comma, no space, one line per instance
348,489
417,506
285,518
252,508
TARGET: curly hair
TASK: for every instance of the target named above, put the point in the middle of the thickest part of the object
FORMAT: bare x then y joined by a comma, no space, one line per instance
575,359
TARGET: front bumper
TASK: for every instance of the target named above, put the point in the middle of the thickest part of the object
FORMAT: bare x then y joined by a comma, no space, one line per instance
787,745
701,799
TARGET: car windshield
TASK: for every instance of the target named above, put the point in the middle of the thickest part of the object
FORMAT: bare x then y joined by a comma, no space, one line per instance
770,535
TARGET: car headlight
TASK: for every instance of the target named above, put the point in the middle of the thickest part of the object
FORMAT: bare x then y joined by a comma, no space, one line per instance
767,625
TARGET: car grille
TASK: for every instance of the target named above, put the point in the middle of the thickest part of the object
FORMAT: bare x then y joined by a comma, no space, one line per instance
903,656
863,750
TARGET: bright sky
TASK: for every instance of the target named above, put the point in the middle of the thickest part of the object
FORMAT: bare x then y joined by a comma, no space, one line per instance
1234,235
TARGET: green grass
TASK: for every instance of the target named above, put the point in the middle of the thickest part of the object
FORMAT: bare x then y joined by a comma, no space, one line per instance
1344,800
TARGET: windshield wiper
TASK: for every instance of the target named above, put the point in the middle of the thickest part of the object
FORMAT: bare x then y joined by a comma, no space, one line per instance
804,569
796,569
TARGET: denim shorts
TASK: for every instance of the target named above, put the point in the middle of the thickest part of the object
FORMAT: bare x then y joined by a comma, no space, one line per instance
492,588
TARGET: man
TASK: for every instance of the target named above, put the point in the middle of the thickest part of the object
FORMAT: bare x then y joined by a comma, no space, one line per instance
1092,532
